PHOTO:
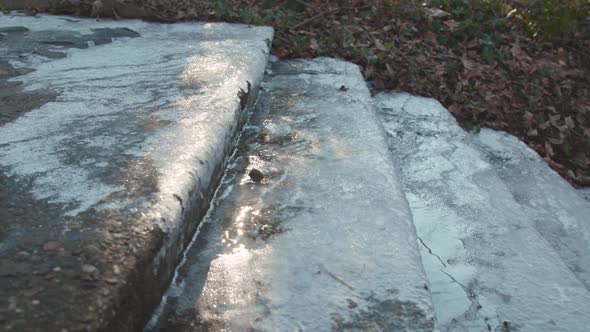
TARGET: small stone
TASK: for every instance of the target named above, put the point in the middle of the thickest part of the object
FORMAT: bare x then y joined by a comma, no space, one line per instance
116,269
53,246
35,302
87,268
256,175
56,269
351,304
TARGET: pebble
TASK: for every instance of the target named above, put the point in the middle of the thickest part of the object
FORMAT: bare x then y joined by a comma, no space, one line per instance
256,175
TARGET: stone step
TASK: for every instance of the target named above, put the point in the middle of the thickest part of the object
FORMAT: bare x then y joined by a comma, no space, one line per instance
493,229
310,229
560,213
110,150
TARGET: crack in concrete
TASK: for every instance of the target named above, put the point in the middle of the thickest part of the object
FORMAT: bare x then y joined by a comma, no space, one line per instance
473,298
467,291
431,252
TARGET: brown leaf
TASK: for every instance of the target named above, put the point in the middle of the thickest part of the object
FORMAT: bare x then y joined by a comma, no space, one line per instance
549,149
551,108
516,51
553,119
569,122
379,45
571,174
429,35
468,64
474,43
435,12
390,70
528,118
451,24
313,44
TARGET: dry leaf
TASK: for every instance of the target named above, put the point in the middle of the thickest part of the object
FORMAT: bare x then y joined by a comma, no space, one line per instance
569,122
451,24
435,12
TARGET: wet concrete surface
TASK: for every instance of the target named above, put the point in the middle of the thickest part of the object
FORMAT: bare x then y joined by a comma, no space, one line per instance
92,129
308,230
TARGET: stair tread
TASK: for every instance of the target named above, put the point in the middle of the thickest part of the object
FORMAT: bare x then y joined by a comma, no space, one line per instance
341,252
489,266
560,213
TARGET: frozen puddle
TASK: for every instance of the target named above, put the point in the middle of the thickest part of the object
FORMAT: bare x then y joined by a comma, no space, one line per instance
503,239
325,241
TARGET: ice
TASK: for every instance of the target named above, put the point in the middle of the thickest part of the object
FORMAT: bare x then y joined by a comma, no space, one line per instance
489,266
560,215
168,96
326,240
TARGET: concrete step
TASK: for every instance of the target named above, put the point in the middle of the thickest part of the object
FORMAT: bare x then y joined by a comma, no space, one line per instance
310,229
110,150
493,229
560,213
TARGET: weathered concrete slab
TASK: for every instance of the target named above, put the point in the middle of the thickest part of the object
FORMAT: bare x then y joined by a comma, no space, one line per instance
490,265
560,214
103,182
325,241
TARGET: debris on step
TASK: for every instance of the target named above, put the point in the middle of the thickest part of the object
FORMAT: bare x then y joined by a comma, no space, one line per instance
256,175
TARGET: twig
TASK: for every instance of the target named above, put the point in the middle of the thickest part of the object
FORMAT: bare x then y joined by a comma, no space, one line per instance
284,40
337,278
326,12
315,17
306,4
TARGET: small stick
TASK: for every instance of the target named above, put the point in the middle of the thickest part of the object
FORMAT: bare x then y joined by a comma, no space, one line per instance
297,26
337,278
329,11
306,4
